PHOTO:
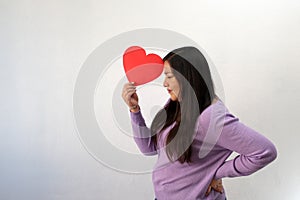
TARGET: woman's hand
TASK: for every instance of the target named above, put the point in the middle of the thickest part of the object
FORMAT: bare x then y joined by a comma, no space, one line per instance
130,97
215,185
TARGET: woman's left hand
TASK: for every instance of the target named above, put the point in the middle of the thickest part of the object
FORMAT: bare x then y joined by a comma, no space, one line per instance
215,185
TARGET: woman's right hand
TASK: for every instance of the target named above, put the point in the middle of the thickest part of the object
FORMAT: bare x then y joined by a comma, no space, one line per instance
130,97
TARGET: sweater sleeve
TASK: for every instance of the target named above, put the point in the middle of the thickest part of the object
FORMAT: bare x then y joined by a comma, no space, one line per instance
142,134
255,150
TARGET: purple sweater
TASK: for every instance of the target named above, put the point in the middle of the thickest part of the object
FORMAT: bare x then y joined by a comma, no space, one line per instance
217,134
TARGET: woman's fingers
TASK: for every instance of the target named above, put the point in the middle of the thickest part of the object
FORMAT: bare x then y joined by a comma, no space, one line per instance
129,85
126,92
208,191
129,94
127,88
215,185
218,186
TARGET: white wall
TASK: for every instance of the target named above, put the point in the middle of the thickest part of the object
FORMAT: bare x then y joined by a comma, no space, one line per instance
255,46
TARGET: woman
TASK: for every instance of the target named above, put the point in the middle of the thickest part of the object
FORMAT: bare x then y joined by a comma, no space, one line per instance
195,133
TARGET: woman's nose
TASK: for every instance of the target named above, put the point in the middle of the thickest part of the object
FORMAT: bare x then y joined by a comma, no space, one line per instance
165,83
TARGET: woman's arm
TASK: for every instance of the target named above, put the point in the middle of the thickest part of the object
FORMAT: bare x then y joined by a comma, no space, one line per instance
142,134
255,150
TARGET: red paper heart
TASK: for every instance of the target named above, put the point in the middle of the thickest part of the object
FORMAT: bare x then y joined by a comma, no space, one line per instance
141,68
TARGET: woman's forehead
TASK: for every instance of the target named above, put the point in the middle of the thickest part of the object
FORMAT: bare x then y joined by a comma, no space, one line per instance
167,68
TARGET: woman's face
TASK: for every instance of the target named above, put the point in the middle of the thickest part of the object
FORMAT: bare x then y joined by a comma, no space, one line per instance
171,83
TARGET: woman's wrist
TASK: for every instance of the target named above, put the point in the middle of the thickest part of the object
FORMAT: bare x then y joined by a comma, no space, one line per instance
135,108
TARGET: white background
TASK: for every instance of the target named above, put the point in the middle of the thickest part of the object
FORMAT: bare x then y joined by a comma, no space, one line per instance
255,46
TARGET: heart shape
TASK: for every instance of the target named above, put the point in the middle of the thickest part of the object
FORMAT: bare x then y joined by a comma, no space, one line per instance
141,68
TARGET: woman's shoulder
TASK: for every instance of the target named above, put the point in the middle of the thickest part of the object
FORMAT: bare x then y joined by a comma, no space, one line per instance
214,114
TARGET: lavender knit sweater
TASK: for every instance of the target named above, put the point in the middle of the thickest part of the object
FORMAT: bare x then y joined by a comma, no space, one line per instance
217,134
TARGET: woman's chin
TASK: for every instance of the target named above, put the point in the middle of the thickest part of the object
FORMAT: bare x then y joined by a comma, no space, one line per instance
173,97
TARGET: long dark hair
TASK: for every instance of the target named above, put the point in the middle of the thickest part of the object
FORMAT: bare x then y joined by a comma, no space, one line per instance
197,92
